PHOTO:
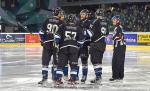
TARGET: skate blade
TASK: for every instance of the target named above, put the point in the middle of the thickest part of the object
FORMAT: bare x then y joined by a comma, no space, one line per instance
43,84
83,82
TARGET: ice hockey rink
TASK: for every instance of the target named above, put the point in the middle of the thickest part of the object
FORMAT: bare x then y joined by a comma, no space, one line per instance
20,70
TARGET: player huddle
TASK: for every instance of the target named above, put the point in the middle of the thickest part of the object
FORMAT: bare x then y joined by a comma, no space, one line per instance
71,38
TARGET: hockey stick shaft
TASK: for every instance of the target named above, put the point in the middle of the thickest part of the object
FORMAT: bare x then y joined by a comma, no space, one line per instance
21,25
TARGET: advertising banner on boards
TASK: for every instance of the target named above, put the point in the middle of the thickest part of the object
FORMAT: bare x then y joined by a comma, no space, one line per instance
131,39
12,38
143,38
32,38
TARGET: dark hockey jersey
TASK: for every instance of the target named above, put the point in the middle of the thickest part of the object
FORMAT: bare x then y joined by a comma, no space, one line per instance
70,36
49,28
118,36
99,30
85,25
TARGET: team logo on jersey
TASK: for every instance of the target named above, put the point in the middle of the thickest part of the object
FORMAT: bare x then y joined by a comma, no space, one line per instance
103,30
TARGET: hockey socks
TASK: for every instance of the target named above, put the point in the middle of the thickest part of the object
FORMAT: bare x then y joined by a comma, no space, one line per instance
53,71
73,74
84,70
59,74
45,72
98,73
84,73
78,68
98,70
65,71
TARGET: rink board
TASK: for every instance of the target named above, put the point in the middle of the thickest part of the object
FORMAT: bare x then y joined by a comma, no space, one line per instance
146,48
134,40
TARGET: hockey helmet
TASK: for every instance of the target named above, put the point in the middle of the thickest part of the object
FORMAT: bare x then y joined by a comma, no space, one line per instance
71,18
58,11
99,12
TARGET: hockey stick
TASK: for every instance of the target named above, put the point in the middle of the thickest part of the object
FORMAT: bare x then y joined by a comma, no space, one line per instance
48,41
25,28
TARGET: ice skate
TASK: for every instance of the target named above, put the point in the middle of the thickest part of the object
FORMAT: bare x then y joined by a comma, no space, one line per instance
43,82
96,80
83,79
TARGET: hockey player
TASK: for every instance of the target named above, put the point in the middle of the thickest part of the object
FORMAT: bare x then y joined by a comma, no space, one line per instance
68,38
98,44
50,26
84,51
119,50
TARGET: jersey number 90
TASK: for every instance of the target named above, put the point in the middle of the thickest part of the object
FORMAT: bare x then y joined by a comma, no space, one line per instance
53,28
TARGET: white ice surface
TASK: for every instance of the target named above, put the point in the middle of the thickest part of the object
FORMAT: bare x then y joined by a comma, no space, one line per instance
20,70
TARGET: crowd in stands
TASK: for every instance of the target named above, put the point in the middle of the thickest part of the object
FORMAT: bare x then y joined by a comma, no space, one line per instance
135,18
